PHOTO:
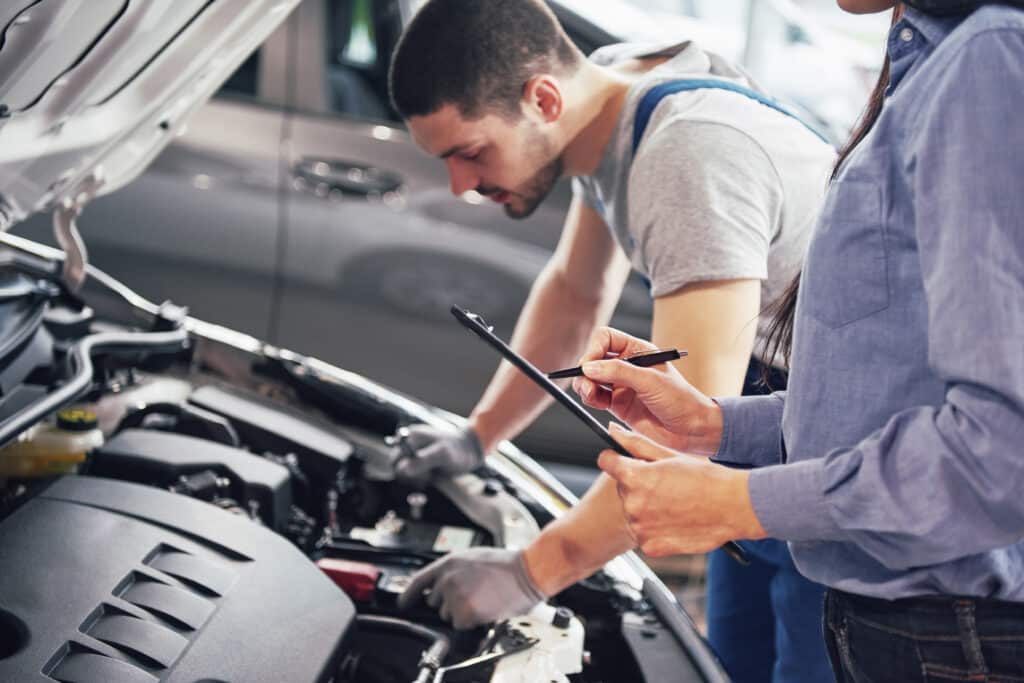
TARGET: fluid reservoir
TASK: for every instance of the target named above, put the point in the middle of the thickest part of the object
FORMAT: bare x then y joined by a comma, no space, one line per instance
52,447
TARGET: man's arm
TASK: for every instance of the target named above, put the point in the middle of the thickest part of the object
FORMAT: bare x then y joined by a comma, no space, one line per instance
703,230
576,292
714,321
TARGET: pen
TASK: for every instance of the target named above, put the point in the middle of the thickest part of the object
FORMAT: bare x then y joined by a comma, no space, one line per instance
644,360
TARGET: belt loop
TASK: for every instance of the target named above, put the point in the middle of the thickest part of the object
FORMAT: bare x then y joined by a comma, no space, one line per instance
969,640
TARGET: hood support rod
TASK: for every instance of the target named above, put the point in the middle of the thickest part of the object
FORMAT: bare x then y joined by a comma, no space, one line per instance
65,229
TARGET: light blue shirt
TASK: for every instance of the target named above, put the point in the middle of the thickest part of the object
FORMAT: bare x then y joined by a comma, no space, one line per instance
903,427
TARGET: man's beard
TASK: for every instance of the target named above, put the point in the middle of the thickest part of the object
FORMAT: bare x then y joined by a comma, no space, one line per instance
536,191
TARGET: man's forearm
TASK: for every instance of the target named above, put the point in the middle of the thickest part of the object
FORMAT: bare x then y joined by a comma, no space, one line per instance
552,331
576,545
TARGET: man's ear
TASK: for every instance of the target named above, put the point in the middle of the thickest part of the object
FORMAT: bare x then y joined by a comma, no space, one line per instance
542,96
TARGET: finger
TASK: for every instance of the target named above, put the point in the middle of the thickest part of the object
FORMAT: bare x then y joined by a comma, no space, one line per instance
616,466
583,387
421,580
639,446
420,435
446,613
609,341
423,463
620,402
619,373
594,395
409,471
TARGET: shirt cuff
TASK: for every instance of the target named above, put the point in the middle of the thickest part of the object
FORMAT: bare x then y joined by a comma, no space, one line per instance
789,501
751,430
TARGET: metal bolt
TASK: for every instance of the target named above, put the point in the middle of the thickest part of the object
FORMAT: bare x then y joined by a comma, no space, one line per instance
417,501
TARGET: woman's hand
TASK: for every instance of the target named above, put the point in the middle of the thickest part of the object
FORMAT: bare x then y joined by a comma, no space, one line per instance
677,503
657,401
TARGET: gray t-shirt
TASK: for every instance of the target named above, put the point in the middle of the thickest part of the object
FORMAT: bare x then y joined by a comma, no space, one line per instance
722,186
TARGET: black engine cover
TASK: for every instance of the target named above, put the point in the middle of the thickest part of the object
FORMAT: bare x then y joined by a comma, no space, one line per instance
104,581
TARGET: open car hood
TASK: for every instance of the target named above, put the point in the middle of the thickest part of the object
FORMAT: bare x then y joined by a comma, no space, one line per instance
92,90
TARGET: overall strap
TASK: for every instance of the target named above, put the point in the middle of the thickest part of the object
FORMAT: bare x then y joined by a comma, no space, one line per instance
656,94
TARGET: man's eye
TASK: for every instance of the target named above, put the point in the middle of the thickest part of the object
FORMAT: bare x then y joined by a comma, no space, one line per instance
471,156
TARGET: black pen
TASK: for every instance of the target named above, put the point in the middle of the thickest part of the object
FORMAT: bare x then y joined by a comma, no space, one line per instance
644,360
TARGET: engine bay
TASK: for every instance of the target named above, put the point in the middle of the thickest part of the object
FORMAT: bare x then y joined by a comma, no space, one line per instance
234,518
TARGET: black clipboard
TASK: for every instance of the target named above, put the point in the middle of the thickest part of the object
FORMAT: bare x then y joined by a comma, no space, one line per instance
475,324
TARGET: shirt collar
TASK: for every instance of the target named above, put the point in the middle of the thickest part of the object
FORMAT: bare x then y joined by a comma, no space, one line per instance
934,29
915,34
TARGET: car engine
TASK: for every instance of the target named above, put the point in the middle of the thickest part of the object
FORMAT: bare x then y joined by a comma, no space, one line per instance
234,520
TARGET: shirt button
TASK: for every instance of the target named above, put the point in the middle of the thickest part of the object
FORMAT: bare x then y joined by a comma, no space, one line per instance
907,35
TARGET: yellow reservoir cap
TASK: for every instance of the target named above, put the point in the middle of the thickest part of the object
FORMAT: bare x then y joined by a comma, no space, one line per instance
50,449
76,419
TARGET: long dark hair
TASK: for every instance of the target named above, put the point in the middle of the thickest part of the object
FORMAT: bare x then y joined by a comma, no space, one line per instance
779,342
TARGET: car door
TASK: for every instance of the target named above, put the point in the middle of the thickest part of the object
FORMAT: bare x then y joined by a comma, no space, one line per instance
200,227
376,249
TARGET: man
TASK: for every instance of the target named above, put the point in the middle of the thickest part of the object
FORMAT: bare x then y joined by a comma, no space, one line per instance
713,207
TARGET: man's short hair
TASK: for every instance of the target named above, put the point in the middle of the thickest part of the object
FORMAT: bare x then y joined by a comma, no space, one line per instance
477,55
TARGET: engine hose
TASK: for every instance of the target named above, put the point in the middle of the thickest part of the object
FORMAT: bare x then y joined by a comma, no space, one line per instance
431,658
80,362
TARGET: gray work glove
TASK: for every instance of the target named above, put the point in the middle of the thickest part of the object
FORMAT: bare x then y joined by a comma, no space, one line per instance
475,586
431,451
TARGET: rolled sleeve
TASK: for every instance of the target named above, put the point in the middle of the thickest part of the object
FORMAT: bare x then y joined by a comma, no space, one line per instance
751,430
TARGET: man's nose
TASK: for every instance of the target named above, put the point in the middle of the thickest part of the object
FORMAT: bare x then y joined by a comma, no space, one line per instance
462,177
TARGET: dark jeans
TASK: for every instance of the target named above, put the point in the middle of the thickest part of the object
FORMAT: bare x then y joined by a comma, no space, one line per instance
934,639
764,620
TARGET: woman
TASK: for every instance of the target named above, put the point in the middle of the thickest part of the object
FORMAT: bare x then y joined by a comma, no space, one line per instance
897,475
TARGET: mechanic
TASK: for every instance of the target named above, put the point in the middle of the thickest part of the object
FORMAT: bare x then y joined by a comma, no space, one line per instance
897,478
713,207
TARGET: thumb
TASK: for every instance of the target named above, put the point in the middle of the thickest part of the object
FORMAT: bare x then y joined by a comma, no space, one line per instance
640,446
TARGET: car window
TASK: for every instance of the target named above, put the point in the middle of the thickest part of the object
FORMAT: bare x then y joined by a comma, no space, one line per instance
360,35
245,81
